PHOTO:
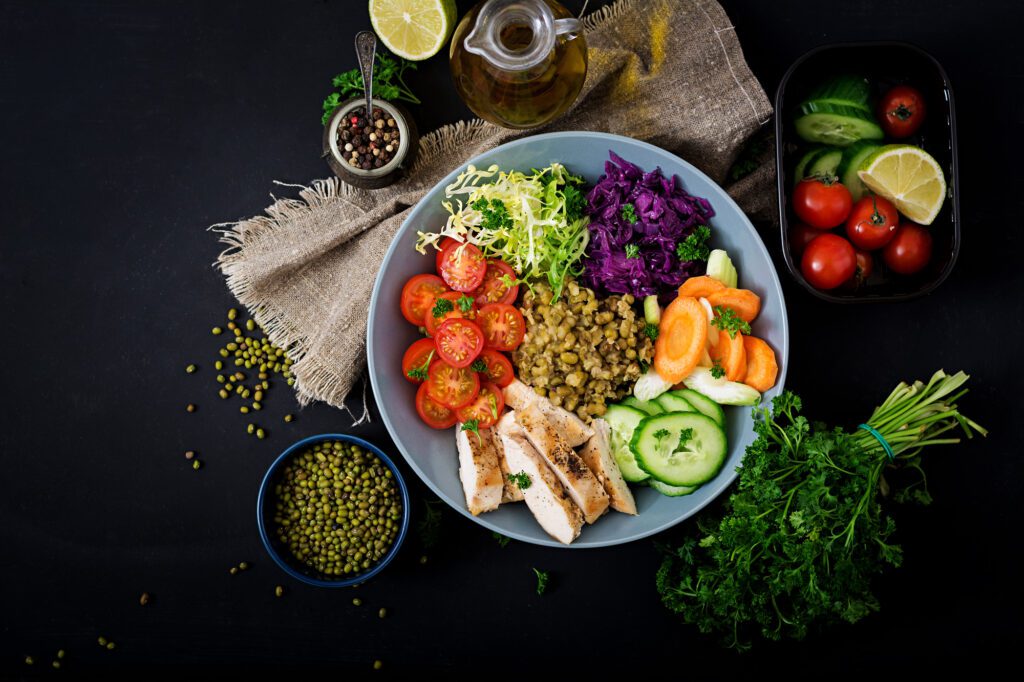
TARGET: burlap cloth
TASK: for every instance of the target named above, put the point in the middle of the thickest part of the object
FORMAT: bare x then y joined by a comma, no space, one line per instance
668,72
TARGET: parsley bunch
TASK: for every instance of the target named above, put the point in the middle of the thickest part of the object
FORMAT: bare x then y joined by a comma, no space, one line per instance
805,531
387,84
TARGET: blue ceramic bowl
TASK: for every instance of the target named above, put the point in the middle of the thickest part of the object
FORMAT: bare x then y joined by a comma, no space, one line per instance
265,516
432,454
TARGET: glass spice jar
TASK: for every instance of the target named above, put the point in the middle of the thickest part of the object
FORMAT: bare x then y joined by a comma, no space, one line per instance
370,153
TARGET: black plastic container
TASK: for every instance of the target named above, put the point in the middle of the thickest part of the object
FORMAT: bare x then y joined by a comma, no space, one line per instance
885,64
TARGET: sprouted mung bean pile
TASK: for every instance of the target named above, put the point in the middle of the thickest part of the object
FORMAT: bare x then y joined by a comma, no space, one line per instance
338,509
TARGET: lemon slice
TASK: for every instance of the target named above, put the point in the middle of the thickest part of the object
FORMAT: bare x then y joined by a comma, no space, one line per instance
909,177
413,29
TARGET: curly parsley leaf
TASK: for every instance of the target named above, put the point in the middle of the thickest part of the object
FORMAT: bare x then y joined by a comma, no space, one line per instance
717,371
521,480
387,84
442,306
542,580
478,366
629,214
502,539
465,303
420,372
695,247
575,203
728,321
632,251
651,330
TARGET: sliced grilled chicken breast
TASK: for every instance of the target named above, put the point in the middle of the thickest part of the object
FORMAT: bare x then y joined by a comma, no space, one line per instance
479,470
580,482
546,498
508,425
597,455
519,396
510,491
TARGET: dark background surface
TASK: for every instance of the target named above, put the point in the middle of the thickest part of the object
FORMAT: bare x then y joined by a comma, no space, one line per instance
129,127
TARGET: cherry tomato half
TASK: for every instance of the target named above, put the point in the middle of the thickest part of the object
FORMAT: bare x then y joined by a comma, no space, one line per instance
493,289
417,360
828,261
434,414
453,387
499,368
800,235
459,342
872,223
445,243
821,202
910,249
901,111
418,296
461,307
503,326
487,407
462,267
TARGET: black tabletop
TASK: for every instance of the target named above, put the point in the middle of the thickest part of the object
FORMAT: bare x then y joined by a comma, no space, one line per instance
128,128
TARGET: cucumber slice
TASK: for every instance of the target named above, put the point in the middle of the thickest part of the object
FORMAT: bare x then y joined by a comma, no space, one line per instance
645,406
853,156
673,403
825,164
720,267
652,311
672,490
845,89
800,171
836,124
623,420
721,391
681,449
703,404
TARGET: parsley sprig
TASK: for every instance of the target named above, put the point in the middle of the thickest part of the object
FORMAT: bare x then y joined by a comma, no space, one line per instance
629,214
420,371
521,480
442,306
542,580
632,251
728,321
695,247
493,214
387,84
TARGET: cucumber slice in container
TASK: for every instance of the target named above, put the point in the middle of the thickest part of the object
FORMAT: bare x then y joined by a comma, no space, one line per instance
853,156
800,171
720,390
720,267
680,449
673,403
646,406
623,420
826,163
672,490
836,124
703,404
846,89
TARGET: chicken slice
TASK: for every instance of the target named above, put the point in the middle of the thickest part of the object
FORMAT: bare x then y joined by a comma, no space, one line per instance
598,456
580,482
518,396
508,425
510,491
479,470
546,498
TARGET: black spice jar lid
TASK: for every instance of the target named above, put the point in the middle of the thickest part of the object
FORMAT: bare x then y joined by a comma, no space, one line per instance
374,178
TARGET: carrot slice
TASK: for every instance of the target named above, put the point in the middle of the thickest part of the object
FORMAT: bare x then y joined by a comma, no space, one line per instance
745,303
731,354
762,369
682,336
700,287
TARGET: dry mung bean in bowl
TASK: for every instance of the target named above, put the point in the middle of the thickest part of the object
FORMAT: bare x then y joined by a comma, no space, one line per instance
332,510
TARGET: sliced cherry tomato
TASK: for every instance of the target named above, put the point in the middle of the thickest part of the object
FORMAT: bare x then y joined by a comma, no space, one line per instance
418,296
821,202
462,306
417,360
828,261
499,367
453,387
872,223
503,326
909,251
445,243
493,289
800,235
486,408
459,342
462,267
901,111
433,413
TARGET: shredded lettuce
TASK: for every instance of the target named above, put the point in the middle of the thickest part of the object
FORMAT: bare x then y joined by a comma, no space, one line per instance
535,223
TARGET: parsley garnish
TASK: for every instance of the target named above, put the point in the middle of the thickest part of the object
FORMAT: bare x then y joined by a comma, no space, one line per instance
442,306
575,203
727,320
522,480
695,247
429,527
493,214
387,84
478,366
542,581
629,214
651,330
465,303
471,425
685,436
502,540
644,366
420,372
661,433
717,371
632,251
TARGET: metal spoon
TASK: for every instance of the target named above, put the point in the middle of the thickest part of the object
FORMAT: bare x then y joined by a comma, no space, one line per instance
366,51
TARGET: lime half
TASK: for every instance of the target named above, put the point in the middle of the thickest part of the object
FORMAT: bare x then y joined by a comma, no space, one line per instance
413,29
909,177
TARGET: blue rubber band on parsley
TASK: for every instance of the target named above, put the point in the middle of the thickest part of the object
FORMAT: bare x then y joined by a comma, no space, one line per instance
647,234
881,441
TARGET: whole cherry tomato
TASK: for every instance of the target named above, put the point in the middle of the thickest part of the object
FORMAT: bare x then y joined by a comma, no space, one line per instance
822,202
910,249
828,261
901,111
872,223
865,265
800,235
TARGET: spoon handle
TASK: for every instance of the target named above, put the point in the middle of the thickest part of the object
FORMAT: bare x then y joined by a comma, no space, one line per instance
366,50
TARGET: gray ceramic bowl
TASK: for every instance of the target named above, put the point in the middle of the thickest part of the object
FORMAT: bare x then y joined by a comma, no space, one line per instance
432,454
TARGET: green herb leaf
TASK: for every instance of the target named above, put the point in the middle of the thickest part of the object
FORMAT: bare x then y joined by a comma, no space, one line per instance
695,247
629,214
661,433
442,306
542,580
465,303
727,320
478,366
429,527
716,370
521,480
387,83
420,372
575,203
632,251
471,425
651,330
502,540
